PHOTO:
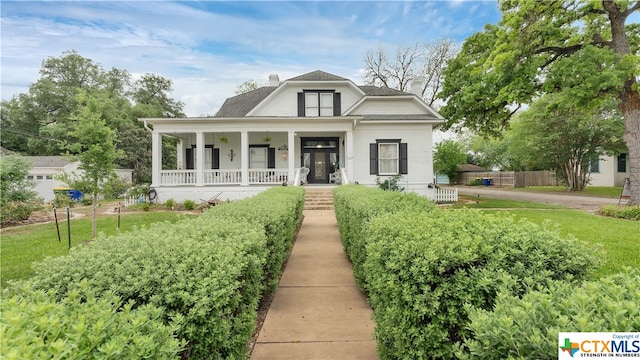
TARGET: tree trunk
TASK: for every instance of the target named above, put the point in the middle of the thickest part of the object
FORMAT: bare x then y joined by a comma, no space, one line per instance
629,98
94,218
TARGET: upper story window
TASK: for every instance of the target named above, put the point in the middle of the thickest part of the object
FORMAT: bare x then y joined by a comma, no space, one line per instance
314,103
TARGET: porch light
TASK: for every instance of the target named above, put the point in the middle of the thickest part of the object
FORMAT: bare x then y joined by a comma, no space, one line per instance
231,155
284,155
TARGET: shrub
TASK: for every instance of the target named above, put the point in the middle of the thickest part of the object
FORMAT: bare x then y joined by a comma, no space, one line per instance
621,212
209,273
81,325
189,204
355,205
169,204
528,327
145,206
18,200
390,184
278,211
421,270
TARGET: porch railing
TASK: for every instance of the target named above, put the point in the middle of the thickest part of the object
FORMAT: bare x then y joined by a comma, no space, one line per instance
222,177
268,176
178,177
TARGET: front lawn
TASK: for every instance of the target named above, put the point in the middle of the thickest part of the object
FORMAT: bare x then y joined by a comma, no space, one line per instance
604,191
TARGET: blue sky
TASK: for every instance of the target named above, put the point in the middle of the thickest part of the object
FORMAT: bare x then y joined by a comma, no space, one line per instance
208,48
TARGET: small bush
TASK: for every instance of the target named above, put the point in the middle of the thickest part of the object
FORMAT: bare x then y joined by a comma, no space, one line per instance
189,204
621,212
145,206
475,182
528,327
390,184
170,204
82,325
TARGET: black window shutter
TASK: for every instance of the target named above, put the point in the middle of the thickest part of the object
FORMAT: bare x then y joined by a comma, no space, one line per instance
337,111
404,159
271,160
189,156
301,104
373,159
216,159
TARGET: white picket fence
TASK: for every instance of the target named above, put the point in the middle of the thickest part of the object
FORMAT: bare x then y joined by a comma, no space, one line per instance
440,195
133,200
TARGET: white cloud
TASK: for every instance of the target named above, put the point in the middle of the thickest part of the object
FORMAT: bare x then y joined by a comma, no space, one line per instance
207,48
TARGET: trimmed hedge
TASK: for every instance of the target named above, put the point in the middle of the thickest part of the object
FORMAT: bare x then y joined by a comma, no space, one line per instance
424,270
208,271
83,326
278,212
528,327
355,205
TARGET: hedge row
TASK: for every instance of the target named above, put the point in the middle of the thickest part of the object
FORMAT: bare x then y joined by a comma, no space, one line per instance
356,205
208,272
424,269
83,326
528,327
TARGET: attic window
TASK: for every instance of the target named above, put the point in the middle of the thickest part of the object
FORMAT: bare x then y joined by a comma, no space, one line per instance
314,103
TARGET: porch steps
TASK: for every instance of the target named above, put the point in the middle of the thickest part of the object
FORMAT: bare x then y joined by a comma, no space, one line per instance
318,199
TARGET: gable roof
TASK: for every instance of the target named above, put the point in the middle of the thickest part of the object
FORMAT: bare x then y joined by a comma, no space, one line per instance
49,161
317,75
241,105
381,91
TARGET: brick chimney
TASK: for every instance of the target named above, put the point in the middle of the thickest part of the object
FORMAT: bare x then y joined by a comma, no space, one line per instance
274,80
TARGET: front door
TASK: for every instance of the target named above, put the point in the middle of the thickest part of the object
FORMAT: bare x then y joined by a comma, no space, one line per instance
320,156
319,173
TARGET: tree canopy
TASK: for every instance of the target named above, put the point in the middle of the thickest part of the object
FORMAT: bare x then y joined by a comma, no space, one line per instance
583,50
40,121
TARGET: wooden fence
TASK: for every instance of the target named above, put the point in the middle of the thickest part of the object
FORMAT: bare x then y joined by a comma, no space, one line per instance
511,178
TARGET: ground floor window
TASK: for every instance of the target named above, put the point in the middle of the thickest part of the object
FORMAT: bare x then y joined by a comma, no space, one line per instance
622,163
388,157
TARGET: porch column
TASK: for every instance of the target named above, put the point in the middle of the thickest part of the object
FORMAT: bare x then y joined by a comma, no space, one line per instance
244,157
180,152
156,158
291,144
199,158
349,156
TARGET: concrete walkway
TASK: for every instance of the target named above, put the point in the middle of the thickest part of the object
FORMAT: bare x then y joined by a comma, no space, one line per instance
318,311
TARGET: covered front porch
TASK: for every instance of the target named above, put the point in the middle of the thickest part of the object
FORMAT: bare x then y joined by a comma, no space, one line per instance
226,159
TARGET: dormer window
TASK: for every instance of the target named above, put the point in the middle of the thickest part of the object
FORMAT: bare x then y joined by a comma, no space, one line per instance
314,103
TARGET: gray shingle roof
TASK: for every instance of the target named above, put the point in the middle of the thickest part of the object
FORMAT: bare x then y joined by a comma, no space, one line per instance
318,75
240,105
381,91
49,161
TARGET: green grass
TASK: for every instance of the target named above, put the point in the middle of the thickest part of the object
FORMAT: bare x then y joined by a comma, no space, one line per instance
487,203
604,191
23,245
619,239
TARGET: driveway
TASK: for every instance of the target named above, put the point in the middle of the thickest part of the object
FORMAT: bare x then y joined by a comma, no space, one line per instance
566,199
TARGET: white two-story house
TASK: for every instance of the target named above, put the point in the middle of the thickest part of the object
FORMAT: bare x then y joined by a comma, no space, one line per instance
315,128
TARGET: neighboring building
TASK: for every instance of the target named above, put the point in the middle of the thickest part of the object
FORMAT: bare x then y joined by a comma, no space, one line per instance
610,171
314,128
44,168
